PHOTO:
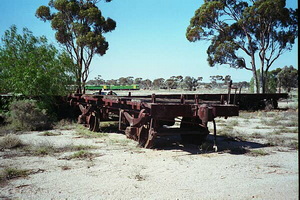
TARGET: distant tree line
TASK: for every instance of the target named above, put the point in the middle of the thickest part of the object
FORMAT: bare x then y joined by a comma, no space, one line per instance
277,80
174,82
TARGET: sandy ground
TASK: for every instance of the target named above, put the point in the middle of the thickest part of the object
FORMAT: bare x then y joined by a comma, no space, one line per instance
121,170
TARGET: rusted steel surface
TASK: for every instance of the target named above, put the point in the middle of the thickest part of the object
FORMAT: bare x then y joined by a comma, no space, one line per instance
245,101
144,118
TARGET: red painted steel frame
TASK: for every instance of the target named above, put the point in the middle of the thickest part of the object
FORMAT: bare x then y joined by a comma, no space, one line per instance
145,118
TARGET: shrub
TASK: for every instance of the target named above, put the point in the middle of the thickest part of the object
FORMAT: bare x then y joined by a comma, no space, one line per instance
84,132
43,150
10,141
26,115
48,133
10,173
258,152
64,124
82,154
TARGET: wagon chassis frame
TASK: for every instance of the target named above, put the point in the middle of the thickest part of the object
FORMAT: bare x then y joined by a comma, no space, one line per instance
144,118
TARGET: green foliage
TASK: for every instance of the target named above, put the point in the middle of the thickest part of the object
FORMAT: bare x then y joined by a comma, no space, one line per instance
288,78
84,132
158,83
216,81
253,29
270,85
32,67
79,26
171,83
27,115
190,83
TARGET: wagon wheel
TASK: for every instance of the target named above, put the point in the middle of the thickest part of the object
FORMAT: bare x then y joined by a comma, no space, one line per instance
146,137
193,138
150,140
143,136
93,122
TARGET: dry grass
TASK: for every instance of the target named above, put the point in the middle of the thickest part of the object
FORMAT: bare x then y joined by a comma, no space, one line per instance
257,152
233,123
257,135
10,141
48,133
120,142
79,147
65,167
48,149
11,173
82,154
270,122
245,114
65,124
262,127
287,119
42,149
85,133
284,142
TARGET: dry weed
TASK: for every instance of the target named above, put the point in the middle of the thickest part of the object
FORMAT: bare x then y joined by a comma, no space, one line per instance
10,141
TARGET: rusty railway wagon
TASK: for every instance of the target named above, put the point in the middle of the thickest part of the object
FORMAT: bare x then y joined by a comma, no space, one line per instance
245,101
145,118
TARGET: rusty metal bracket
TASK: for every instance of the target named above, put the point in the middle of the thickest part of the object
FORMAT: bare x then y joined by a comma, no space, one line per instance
215,136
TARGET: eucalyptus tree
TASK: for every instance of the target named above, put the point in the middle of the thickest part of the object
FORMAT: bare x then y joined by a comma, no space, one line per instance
123,81
190,83
171,82
130,80
96,81
247,35
80,28
146,84
158,83
288,78
112,82
227,79
216,80
137,81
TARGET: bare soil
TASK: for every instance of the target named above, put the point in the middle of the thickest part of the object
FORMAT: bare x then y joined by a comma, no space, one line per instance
255,160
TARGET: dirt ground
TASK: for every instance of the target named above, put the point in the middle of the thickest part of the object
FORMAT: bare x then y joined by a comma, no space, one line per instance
257,158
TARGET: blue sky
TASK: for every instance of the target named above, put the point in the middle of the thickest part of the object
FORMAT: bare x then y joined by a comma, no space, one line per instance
149,40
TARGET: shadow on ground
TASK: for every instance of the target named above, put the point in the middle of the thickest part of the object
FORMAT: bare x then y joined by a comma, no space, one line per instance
224,145
174,142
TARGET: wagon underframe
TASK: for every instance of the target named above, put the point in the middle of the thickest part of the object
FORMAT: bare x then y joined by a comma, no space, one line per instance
145,118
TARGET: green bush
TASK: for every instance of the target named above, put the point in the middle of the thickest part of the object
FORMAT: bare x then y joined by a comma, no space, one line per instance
26,115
